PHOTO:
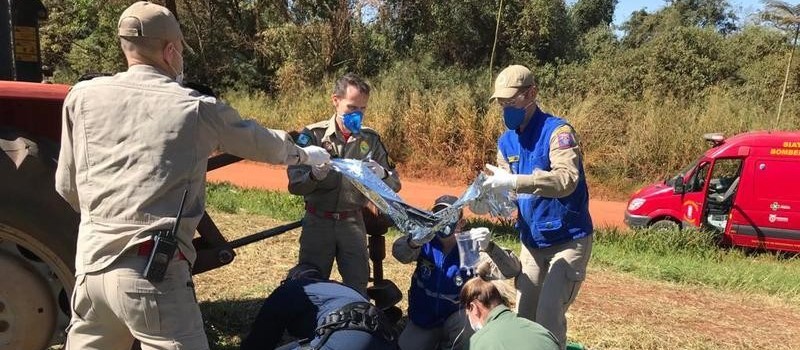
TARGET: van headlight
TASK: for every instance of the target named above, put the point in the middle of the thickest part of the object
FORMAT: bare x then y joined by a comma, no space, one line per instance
636,203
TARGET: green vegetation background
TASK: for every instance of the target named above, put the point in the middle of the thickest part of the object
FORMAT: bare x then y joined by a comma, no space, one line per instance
640,96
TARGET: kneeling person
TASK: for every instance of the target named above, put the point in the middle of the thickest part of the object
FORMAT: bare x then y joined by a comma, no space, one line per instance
322,313
435,321
496,326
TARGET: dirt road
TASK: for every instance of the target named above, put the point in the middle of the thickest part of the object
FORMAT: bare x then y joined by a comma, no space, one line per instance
414,191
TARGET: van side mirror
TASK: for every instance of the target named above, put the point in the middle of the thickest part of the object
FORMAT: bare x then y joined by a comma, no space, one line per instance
679,186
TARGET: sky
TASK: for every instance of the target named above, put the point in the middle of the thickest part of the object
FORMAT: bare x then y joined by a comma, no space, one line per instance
626,7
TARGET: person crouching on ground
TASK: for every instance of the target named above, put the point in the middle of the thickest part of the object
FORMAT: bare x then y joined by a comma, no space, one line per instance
322,313
435,321
496,326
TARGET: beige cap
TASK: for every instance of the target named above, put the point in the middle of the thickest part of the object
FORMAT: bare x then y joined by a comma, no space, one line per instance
152,21
511,80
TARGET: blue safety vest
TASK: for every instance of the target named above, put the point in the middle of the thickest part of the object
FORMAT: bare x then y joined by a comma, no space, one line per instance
435,286
543,221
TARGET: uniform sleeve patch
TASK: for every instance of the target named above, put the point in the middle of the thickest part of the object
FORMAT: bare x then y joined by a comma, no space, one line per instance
566,140
303,140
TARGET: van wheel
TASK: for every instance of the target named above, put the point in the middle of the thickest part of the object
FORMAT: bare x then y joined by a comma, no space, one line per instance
665,225
38,232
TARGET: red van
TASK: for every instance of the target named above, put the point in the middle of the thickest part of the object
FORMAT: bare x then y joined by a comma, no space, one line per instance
746,187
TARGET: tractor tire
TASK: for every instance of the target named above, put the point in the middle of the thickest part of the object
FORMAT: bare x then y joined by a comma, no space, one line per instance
38,235
665,224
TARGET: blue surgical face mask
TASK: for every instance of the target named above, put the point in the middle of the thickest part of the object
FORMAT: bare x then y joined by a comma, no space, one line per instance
352,121
513,117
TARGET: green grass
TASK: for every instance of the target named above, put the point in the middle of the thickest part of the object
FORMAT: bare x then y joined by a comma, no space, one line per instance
692,257
235,200
686,257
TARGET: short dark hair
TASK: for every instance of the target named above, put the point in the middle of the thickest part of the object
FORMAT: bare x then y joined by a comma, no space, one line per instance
350,79
304,271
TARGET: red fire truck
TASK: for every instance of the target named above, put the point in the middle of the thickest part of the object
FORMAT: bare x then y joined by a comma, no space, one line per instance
745,187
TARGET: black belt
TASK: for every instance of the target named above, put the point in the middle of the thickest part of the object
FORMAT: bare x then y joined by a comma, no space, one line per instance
331,215
360,316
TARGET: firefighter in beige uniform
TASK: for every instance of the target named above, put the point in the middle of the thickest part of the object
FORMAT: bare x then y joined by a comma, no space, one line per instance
333,226
539,158
131,145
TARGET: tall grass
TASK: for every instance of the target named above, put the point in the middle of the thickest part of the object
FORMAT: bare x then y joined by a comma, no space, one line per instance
440,122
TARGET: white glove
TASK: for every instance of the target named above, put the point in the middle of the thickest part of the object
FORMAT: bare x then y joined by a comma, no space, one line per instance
320,172
500,179
482,237
316,155
376,168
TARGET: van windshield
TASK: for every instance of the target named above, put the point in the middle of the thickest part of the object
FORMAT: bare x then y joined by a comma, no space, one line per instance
671,181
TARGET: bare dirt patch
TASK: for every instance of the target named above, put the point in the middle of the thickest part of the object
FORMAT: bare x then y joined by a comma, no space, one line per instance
619,311
613,311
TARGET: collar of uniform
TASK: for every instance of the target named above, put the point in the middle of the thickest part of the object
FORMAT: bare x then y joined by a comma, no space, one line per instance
333,129
144,68
536,119
498,312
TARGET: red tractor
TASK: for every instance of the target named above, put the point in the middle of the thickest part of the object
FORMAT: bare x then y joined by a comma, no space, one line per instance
38,229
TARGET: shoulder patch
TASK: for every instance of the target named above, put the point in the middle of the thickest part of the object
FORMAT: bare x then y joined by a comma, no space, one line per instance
303,139
566,140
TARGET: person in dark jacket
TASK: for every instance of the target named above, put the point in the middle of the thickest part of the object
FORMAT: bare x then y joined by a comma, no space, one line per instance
322,314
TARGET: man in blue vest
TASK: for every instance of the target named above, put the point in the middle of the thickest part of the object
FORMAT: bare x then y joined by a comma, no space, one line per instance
436,320
539,158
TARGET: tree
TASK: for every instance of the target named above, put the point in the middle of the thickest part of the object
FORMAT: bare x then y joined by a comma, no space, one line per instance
587,14
787,18
711,14
706,13
540,30
451,32
639,28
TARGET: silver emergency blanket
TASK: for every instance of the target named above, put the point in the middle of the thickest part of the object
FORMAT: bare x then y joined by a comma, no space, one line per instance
421,225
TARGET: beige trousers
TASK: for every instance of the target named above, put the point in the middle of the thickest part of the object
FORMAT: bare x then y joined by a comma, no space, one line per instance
114,306
453,334
323,240
550,280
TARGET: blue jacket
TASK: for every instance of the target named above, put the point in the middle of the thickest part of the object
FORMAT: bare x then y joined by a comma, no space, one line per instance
435,286
544,222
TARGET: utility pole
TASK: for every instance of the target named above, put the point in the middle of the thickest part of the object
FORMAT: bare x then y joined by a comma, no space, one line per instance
786,76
